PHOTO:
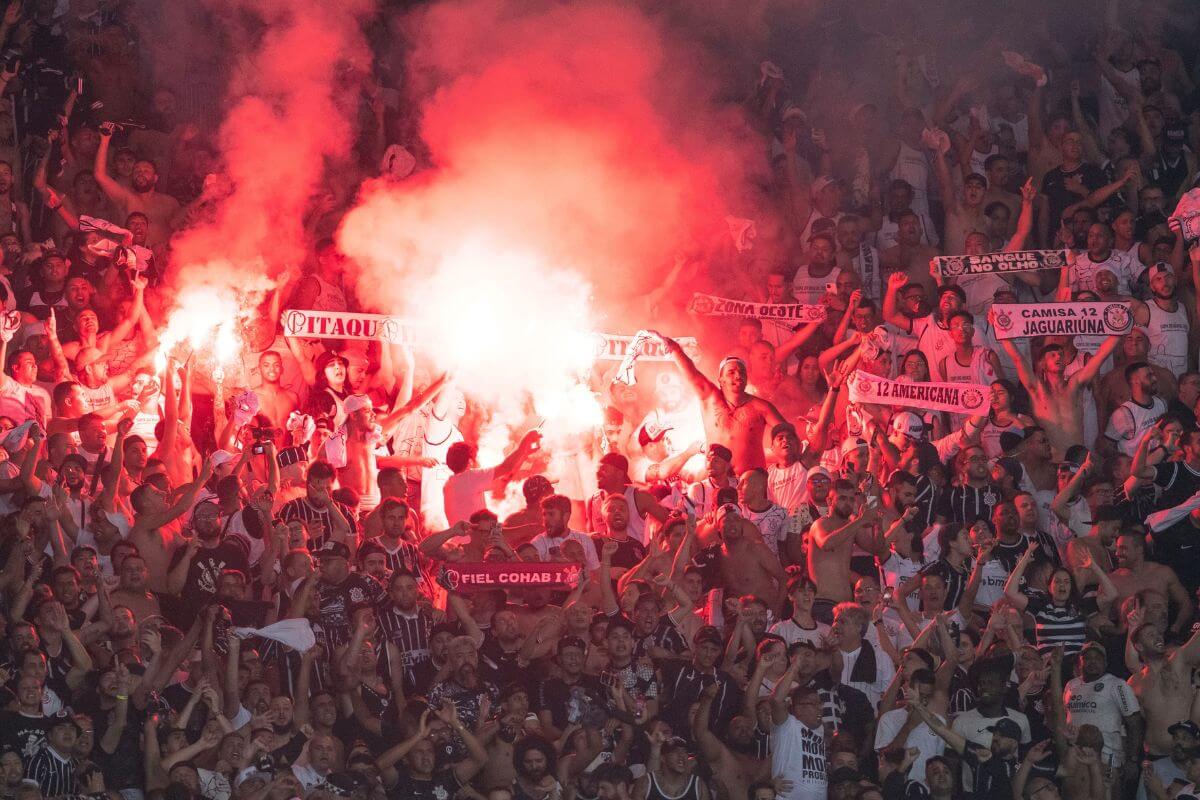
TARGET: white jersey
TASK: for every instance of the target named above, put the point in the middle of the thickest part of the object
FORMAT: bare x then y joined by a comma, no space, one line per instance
991,583
934,340
1131,420
898,569
1083,274
787,485
798,757
1105,703
791,632
979,370
808,289
1168,334
927,743
771,523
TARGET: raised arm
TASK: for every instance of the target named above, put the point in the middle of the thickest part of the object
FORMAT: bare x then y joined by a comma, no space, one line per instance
1090,370
702,385
114,190
1012,587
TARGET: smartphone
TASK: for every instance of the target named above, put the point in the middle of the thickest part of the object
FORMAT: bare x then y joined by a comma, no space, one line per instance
888,593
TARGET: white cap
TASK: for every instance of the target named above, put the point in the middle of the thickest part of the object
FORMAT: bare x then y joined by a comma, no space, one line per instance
909,424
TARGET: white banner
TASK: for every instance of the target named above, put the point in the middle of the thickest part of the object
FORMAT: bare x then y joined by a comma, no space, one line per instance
1022,320
615,347
1016,261
342,325
957,398
712,306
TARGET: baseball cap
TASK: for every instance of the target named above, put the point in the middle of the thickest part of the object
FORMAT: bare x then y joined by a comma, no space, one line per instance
76,459
1175,133
1093,646
817,472
1108,513
1075,456
909,424
334,550
729,508
850,445
651,432
1006,727
221,457
1010,441
615,460
571,641
975,177
794,112
1191,728
1160,268
356,402
821,183
708,635
368,548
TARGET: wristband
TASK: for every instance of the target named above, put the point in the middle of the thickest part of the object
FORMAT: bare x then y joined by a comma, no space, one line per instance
122,697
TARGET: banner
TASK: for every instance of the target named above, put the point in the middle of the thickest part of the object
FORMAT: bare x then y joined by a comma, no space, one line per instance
1017,261
460,577
958,398
615,347
342,325
712,306
1022,320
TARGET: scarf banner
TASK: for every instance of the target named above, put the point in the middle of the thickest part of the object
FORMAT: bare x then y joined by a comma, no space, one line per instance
1022,320
1017,261
464,576
341,325
615,347
958,398
711,306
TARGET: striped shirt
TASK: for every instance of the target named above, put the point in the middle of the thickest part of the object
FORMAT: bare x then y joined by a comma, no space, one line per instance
52,772
405,559
967,504
1054,625
410,634
956,582
300,509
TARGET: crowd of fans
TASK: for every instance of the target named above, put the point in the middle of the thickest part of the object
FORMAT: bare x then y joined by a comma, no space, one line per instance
249,585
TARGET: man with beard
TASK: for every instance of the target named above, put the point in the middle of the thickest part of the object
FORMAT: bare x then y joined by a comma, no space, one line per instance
831,543
798,737
403,622
464,688
628,552
1132,419
340,593
335,520
1185,739
683,683
719,467
1057,398
1168,321
731,757
196,567
572,697
1097,698
155,542
160,209
675,778
402,556
932,331
770,519
1163,684
1135,574
535,762
410,770
787,475
556,513
732,416
274,401
612,477
809,284
739,565
1098,256
907,260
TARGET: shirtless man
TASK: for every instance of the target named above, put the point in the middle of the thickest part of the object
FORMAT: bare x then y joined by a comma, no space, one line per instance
747,566
132,592
1135,573
910,255
1163,686
831,543
1057,398
274,401
152,513
732,416
1086,552
733,762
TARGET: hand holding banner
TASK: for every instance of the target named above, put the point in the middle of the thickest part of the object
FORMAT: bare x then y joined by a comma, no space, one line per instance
308,324
958,398
1016,261
462,576
1022,320
712,306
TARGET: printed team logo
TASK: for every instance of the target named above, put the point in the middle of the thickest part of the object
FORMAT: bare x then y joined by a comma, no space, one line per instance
571,575
702,304
1099,687
599,346
952,267
449,579
1053,259
1117,317
864,387
389,330
1004,321
294,321
972,398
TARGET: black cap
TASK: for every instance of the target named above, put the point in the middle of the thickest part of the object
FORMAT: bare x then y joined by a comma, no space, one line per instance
722,452
708,634
1009,442
333,549
615,460
1006,727
571,641
783,427
1108,513
1187,725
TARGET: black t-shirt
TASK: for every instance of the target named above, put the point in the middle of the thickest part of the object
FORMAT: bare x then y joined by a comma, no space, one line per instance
499,666
630,552
444,785
25,735
570,703
203,575
1054,186
339,602
993,778
1177,482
